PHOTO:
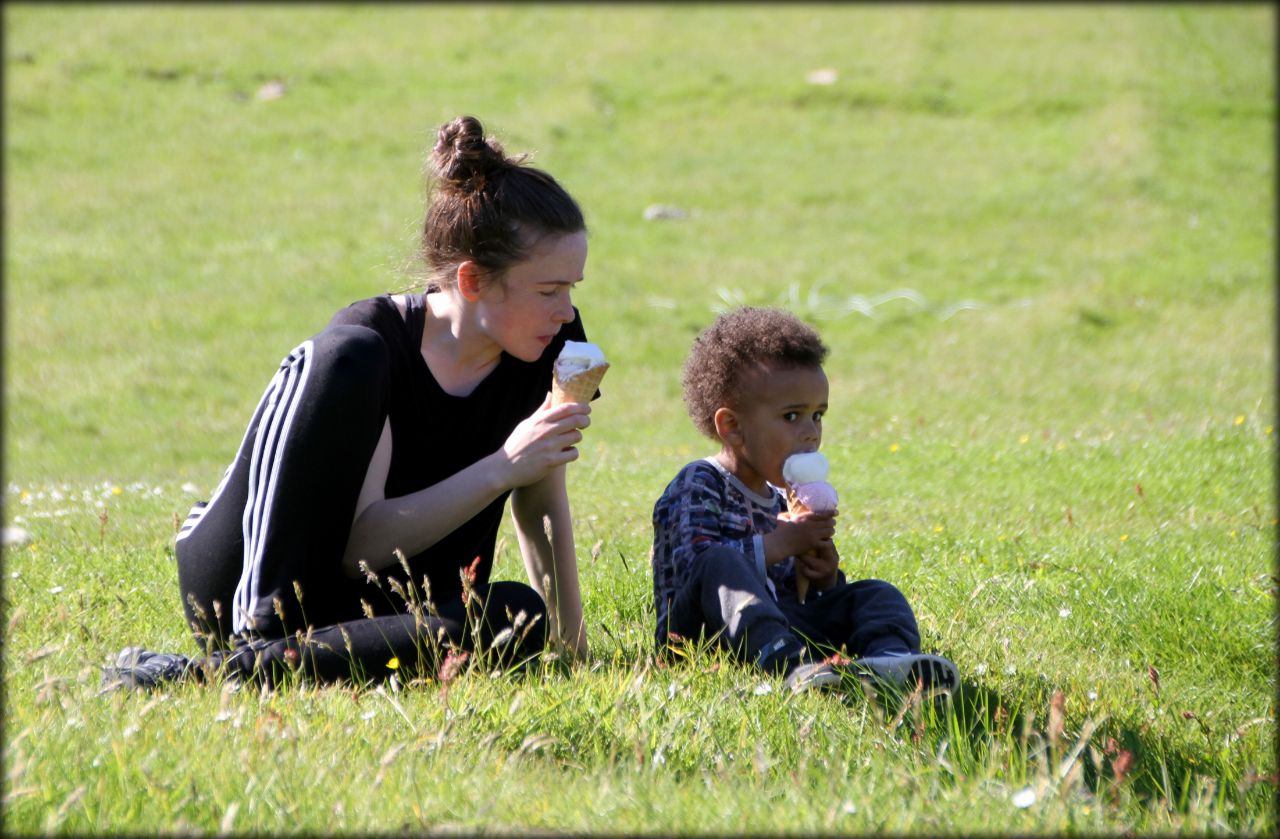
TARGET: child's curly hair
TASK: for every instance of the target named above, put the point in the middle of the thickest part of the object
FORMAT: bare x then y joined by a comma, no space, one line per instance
745,338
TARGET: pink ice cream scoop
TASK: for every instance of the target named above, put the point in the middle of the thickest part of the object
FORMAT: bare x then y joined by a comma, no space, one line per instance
818,496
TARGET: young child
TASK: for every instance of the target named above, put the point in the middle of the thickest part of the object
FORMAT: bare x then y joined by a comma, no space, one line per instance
725,552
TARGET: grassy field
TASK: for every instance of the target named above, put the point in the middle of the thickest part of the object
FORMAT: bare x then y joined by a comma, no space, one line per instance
1039,240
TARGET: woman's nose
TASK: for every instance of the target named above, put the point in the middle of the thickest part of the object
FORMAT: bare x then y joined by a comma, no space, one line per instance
564,312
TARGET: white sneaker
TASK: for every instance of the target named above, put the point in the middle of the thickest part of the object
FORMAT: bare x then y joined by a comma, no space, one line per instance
811,674
909,669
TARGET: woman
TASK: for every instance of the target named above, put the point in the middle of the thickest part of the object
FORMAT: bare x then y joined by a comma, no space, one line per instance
370,485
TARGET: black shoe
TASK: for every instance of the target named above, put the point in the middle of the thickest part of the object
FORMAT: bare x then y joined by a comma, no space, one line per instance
142,669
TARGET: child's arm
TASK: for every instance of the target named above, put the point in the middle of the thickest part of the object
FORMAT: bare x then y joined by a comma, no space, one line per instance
693,515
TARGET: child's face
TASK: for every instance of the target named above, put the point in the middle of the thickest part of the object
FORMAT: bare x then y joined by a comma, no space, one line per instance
780,414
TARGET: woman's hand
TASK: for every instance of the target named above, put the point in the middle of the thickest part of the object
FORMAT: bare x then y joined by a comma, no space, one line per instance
544,440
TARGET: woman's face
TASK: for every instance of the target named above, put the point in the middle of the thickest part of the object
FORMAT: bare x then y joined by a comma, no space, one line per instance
523,313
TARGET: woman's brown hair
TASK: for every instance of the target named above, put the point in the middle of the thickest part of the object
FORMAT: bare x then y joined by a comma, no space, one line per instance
486,207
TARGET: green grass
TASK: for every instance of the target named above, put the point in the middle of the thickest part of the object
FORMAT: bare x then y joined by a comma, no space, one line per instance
1038,239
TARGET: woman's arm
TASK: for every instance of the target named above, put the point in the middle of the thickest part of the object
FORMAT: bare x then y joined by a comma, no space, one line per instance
545,530
539,445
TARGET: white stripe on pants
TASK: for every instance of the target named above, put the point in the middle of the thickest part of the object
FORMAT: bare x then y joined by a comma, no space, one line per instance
282,396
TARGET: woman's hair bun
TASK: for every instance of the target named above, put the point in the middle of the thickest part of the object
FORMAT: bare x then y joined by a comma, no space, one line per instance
463,156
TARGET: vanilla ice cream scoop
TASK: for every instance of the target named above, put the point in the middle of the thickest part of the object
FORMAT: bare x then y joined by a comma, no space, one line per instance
578,356
577,372
805,467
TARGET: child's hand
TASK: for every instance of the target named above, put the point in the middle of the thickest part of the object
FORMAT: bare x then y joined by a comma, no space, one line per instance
798,534
820,565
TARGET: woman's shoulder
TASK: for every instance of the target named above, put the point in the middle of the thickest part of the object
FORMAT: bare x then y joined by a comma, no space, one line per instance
371,311
396,317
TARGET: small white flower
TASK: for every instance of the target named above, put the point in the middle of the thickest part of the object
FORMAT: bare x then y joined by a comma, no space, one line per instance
1024,798
658,212
1093,694
981,669
56,590
190,487
1064,613
824,76
763,688
1010,670
367,715
16,536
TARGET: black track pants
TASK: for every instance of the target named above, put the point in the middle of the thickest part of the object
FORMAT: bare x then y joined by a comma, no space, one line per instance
284,509
260,563
510,617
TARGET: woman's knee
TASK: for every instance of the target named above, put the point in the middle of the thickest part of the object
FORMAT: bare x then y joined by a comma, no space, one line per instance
353,359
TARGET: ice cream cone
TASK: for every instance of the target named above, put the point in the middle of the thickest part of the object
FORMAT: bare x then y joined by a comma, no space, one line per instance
579,387
795,506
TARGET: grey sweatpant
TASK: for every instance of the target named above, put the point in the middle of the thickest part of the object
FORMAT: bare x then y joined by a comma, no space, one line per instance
727,599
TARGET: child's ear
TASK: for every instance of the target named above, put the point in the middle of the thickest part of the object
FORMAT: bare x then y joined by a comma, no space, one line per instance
727,427
469,281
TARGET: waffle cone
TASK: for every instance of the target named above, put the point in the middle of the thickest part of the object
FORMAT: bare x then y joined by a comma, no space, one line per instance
579,387
795,507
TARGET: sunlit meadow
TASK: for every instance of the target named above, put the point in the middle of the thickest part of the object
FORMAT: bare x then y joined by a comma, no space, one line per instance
1039,240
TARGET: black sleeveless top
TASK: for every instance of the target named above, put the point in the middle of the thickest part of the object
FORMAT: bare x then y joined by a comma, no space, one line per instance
435,435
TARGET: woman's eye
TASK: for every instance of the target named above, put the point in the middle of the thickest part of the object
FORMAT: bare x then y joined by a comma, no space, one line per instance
817,416
790,416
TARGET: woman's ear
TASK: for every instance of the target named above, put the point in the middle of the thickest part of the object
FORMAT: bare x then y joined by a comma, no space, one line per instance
727,427
470,279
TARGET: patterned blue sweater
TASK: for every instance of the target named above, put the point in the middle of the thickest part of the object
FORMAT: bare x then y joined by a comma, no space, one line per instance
704,506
